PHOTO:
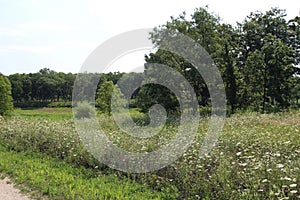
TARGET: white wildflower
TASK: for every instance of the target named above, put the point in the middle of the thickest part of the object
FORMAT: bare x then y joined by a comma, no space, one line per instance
280,166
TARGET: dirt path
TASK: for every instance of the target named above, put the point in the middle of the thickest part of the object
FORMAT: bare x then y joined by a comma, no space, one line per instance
8,192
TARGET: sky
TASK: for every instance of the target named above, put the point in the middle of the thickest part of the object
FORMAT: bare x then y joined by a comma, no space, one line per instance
60,34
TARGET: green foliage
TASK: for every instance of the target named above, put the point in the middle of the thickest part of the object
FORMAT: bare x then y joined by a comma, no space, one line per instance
51,178
226,56
22,87
296,91
104,96
55,138
31,104
267,61
48,87
41,104
6,101
257,60
60,104
203,29
105,93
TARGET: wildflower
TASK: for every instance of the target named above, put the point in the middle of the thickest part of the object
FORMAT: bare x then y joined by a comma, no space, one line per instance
280,166
293,185
243,164
277,154
293,191
265,180
238,153
286,178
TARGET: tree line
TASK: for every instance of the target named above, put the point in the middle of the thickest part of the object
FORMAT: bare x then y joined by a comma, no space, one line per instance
258,59
49,86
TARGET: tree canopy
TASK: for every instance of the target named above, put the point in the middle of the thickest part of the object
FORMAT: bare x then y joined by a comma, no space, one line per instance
258,59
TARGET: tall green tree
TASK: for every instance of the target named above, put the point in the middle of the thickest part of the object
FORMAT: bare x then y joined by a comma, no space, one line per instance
104,99
296,91
203,29
21,87
6,101
225,57
266,60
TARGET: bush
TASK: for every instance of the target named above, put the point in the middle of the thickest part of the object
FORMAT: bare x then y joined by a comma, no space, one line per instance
6,101
57,139
31,104
60,104
84,110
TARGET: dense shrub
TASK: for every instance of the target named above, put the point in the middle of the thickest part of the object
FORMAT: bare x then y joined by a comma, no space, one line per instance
84,110
6,101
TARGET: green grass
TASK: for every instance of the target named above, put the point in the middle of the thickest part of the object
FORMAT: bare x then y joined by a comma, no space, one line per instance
44,113
257,155
58,180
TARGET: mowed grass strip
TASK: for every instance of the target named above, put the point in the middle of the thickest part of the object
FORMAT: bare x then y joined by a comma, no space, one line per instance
48,177
44,113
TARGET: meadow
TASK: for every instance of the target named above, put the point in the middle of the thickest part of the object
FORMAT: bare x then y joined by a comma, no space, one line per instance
257,157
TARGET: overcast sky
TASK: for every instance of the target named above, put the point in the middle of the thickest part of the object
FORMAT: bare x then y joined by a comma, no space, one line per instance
60,34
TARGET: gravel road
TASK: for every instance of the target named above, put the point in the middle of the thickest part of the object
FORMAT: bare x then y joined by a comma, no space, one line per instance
8,192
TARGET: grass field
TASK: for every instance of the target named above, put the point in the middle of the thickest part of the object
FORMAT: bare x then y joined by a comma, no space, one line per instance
44,113
257,157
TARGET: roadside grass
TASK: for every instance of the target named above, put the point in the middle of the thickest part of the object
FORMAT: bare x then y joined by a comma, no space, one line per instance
256,157
50,178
